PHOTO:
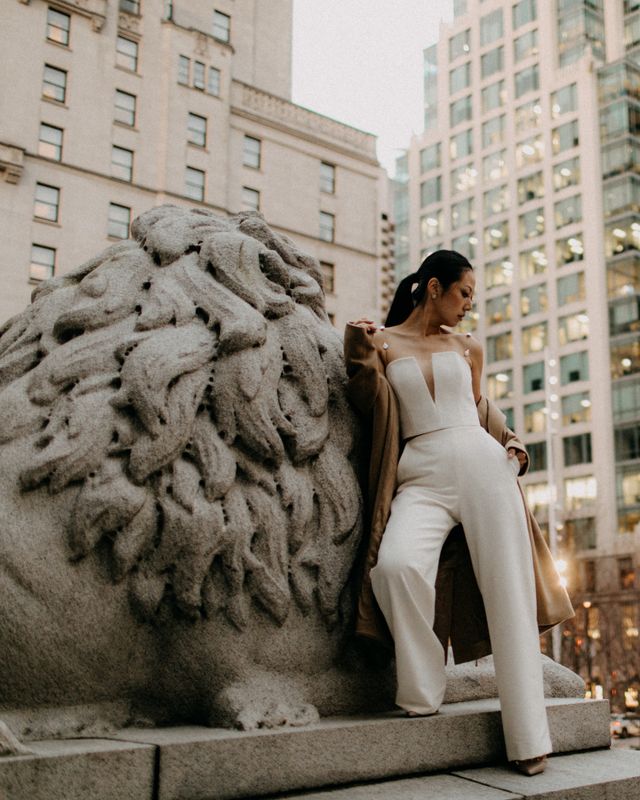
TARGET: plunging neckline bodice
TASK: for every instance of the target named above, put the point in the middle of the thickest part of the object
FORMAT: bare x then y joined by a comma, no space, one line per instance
451,403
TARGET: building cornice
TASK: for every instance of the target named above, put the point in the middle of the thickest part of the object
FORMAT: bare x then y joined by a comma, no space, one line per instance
11,162
95,10
277,112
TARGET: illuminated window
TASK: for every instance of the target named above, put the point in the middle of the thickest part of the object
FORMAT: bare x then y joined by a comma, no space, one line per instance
529,151
463,179
537,496
498,273
576,408
496,201
623,277
534,338
533,299
580,493
569,250
573,328
532,263
431,226
500,385
496,235
466,245
530,188
622,236
494,166
498,309
567,173
564,100
531,224
499,347
528,115
535,418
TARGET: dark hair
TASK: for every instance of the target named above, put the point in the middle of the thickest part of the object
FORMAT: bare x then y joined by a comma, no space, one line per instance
445,265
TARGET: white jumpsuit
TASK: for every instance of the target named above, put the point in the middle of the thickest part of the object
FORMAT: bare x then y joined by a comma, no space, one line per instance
451,470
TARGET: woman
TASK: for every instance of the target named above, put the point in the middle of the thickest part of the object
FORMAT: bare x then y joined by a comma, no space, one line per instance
421,384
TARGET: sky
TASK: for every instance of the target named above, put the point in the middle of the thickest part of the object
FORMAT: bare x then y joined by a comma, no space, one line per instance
360,62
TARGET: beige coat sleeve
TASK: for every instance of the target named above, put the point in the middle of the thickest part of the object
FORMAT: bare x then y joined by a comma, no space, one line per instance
494,422
364,369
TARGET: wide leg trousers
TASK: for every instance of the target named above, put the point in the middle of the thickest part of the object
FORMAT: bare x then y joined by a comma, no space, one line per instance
463,475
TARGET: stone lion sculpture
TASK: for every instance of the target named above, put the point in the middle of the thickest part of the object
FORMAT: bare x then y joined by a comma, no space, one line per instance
179,508
180,516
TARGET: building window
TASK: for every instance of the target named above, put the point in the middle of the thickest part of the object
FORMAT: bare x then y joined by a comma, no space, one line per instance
492,62
498,309
624,316
328,277
184,68
567,173
459,45
626,400
127,53
621,156
198,75
461,145
568,211
494,166
430,191
573,328
532,263
465,244
533,377
531,224
498,273
528,116
571,288
327,227
460,78
43,262
626,573
589,582
529,151
130,6
251,152
500,385
525,45
576,408
527,80
194,183
463,213
622,236
622,196
623,277
463,179
221,26
530,188
58,26
493,96
54,83
125,108
537,496
493,131
535,418
499,347
430,157
579,493
491,27
460,111
47,202
523,12
577,449
533,299
569,250
197,130
537,456
431,226
251,198
534,338
564,100
496,235
50,142
122,163
496,201
327,178
574,367
627,443
565,137
213,86
118,221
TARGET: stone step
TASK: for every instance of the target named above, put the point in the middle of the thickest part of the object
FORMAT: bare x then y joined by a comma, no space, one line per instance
194,763
597,775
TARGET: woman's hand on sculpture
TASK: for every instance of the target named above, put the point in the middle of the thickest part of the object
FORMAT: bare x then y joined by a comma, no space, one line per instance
368,324
522,459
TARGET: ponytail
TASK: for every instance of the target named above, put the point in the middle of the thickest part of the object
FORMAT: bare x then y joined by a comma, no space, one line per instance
445,265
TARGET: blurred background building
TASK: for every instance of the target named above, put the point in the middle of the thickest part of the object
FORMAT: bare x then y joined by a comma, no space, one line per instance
121,106
529,165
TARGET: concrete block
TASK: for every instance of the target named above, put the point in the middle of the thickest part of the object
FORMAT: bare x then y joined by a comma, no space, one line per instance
599,775
79,769
200,763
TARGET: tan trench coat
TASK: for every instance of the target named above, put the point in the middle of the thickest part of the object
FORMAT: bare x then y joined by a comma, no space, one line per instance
460,616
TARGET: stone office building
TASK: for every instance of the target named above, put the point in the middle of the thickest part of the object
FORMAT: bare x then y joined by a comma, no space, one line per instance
121,106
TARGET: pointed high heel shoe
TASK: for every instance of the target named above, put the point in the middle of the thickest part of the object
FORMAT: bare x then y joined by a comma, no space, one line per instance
531,766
